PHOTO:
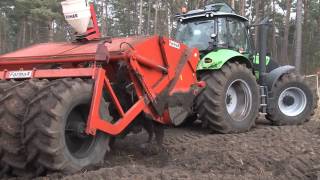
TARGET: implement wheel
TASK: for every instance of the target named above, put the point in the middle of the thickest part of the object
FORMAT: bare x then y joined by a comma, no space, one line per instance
54,128
13,104
4,86
230,102
293,101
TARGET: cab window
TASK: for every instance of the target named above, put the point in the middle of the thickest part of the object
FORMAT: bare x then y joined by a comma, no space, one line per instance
222,39
238,38
196,34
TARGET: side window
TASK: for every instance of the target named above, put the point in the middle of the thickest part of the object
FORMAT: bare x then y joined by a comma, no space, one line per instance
238,38
222,32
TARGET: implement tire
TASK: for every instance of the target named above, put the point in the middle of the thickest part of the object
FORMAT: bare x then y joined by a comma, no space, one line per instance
230,102
54,128
293,101
4,85
13,104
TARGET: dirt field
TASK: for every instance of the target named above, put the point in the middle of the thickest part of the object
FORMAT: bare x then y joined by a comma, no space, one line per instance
266,152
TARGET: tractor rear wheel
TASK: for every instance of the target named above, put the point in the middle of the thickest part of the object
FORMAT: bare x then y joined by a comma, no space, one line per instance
230,102
293,101
54,128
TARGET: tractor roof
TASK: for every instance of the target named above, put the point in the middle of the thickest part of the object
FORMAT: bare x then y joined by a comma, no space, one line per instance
212,10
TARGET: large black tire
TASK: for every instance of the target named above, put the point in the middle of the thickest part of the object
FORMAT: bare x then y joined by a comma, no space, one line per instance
4,85
278,111
211,103
13,105
54,128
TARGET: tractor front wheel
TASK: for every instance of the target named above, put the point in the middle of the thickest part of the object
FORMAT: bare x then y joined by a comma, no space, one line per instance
292,101
230,102
54,128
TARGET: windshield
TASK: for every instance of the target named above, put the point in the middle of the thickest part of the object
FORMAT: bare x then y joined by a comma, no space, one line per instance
196,34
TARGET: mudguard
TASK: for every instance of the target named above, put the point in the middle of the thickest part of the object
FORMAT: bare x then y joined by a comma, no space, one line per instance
216,59
275,74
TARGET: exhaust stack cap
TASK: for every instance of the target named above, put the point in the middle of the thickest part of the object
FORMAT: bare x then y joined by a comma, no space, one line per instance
77,14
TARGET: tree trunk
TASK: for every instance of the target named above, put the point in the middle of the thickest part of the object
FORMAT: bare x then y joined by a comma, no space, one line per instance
36,33
23,33
243,7
51,30
31,38
257,12
149,17
156,17
140,18
274,39
5,45
306,35
232,3
19,37
106,18
135,21
298,36
169,19
203,3
104,26
1,40
284,55
318,21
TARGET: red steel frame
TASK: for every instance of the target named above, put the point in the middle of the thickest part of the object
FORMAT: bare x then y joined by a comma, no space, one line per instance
99,75
95,122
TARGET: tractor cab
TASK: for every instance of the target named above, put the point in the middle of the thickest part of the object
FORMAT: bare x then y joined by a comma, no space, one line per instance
214,27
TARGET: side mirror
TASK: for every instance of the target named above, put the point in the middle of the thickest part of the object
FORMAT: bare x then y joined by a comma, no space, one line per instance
213,36
213,42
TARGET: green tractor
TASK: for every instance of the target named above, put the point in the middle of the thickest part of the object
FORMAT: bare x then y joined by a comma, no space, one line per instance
240,81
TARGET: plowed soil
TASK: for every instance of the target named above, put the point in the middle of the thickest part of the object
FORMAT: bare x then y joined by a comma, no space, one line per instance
266,152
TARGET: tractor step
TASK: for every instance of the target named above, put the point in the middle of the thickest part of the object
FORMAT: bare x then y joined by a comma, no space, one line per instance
263,99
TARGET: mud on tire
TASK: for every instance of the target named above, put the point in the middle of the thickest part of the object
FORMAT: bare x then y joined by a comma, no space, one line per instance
293,101
54,128
13,103
213,102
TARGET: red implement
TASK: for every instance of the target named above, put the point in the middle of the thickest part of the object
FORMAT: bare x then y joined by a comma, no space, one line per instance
162,72
70,100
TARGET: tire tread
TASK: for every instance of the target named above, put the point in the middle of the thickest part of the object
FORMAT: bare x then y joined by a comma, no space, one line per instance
208,104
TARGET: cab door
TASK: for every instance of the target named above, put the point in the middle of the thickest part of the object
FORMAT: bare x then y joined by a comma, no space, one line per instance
238,36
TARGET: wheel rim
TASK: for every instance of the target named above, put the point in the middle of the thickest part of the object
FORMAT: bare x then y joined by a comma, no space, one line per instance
238,100
292,101
79,144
